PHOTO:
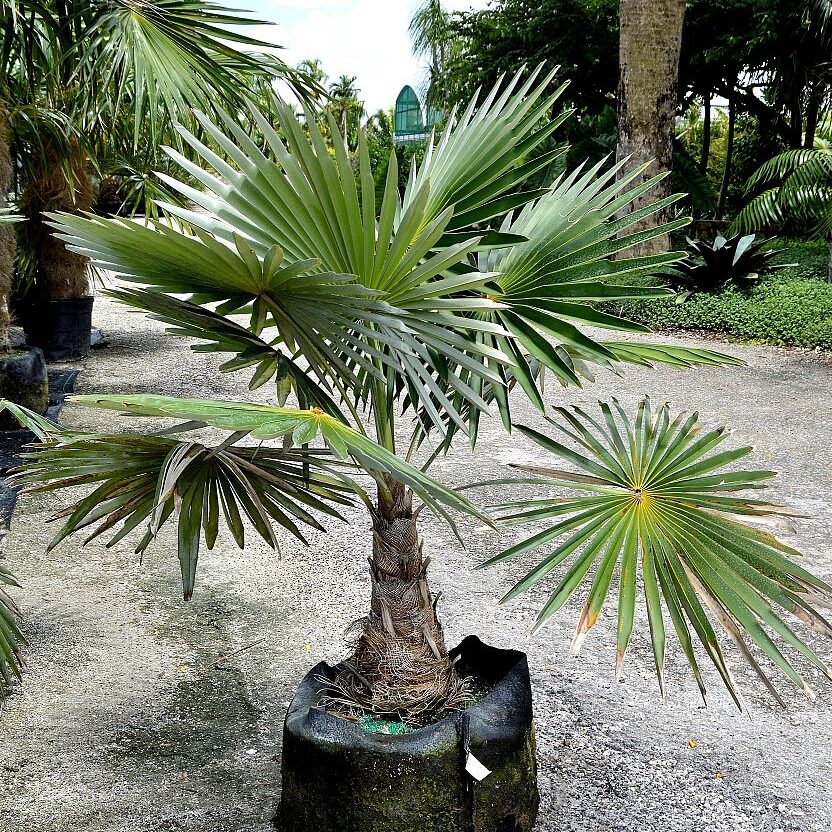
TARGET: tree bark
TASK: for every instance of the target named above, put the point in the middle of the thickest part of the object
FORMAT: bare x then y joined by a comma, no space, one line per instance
812,111
7,233
729,154
650,41
60,274
706,135
400,665
796,119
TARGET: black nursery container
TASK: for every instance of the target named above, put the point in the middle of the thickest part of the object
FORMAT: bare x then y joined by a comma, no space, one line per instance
339,778
61,328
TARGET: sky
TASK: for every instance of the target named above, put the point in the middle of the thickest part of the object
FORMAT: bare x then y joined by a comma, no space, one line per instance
365,38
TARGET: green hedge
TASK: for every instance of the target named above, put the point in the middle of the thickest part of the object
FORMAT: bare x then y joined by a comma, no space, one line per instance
792,307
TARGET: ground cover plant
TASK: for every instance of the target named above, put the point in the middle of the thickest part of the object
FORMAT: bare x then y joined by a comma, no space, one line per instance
792,307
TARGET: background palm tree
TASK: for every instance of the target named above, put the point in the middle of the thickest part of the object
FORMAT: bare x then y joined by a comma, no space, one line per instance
85,81
796,189
345,106
800,69
431,38
313,68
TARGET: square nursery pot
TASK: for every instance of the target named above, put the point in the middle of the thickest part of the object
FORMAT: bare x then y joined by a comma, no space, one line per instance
339,778
61,328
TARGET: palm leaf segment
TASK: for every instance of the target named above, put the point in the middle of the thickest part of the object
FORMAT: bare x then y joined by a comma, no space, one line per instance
143,481
11,639
657,499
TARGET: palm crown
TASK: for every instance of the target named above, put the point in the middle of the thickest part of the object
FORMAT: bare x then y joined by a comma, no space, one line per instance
360,306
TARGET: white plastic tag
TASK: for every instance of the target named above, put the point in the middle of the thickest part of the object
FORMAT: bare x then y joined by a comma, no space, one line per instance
475,768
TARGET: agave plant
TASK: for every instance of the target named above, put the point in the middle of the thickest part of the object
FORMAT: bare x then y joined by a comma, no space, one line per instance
411,313
659,499
738,260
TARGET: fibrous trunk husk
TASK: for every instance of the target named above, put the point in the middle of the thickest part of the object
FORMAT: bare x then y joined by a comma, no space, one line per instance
400,666
60,274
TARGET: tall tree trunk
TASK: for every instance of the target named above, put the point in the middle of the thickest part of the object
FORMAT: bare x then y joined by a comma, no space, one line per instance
729,155
60,274
706,135
650,41
796,119
7,233
400,665
812,111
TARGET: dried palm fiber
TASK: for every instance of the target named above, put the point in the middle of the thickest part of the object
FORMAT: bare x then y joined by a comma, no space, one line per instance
7,232
60,274
400,665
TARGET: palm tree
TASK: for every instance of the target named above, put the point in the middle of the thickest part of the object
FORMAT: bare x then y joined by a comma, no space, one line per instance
796,187
650,43
313,68
86,80
345,106
799,67
431,38
395,325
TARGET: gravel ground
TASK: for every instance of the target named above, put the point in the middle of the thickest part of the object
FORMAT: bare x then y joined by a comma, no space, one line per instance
126,723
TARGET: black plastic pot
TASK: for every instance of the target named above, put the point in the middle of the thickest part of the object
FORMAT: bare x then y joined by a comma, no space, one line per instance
339,778
23,380
61,328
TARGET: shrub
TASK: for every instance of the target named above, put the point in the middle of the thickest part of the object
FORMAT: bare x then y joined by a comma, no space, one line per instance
794,312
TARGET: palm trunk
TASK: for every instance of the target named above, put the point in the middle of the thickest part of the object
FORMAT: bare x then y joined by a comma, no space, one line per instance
812,112
650,41
7,233
706,136
829,264
729,154
60,274
796,119
400,665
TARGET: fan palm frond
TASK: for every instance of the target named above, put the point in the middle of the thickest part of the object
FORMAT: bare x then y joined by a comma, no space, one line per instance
145,480
11,638
380,296
659,498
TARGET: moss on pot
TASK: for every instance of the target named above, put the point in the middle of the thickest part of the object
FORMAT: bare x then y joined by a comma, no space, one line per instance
339,778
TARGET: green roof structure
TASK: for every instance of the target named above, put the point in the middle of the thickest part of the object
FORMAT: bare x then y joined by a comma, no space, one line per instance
409,124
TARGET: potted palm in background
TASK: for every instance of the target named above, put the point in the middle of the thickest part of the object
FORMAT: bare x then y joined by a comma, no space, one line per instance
83,83
89,84
23,376
392,324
